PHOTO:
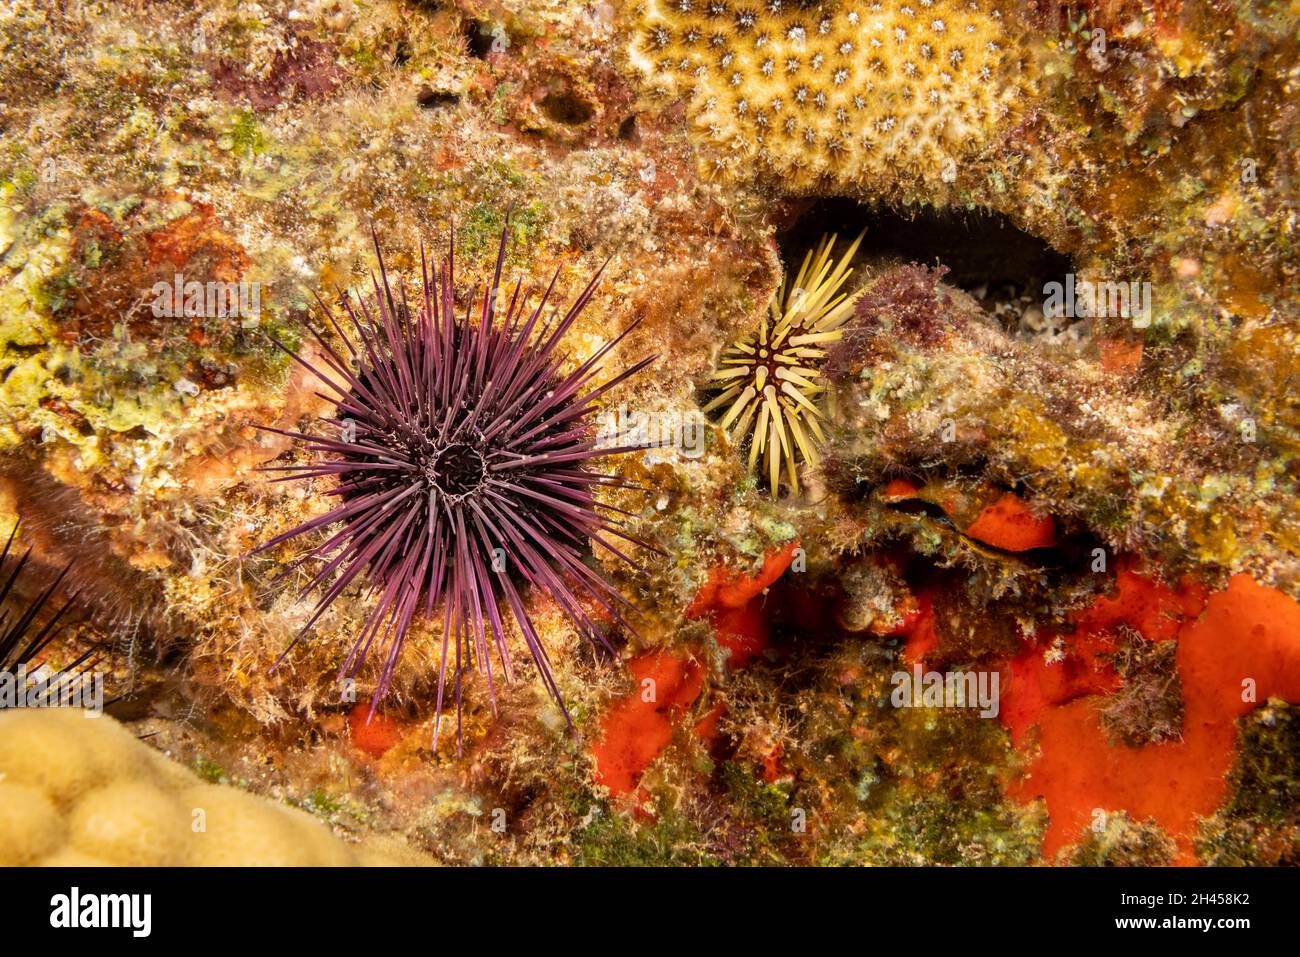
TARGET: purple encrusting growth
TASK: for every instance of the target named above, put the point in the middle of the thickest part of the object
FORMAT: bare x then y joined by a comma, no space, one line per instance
908,301
462,471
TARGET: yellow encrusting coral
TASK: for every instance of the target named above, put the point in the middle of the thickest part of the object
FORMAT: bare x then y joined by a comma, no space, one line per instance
773,374
860,95
77,790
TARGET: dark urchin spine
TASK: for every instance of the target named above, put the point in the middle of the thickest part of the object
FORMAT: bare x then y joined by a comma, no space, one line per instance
28,628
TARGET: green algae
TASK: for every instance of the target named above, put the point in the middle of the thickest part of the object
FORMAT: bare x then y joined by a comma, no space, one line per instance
1260,821
612,839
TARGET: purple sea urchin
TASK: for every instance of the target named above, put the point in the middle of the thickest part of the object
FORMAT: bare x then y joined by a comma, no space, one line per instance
462,467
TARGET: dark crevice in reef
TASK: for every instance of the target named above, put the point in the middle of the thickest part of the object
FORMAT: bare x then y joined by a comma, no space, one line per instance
478,38
1069,552
563,106
984,251
430,98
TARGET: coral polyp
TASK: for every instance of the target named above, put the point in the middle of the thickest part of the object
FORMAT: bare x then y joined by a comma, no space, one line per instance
770,380
462,461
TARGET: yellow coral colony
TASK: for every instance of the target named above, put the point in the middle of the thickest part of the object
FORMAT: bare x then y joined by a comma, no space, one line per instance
80,791
772,377
886,96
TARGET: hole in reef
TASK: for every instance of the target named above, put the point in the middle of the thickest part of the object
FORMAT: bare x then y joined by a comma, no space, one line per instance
985,252
564,107
430,98
478,38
